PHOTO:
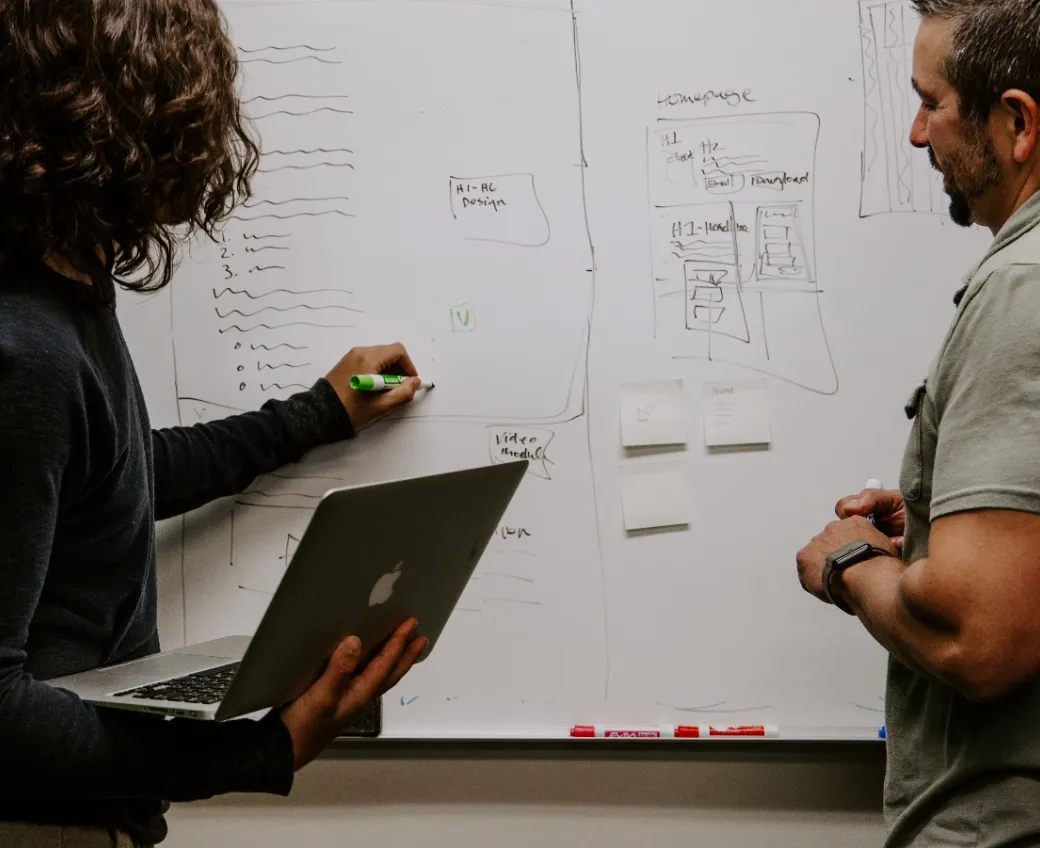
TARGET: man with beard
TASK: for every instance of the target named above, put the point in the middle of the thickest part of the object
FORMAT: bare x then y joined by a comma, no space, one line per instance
946,575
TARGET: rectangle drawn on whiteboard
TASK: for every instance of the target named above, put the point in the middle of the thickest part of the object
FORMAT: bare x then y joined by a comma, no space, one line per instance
503,209
385,210
733,231
896,178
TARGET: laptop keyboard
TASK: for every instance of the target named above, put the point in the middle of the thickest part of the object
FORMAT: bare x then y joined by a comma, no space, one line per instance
200,687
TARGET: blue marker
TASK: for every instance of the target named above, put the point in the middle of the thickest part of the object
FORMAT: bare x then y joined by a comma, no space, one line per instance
882,733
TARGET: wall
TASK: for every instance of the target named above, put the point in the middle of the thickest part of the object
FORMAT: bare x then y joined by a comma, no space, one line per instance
724,798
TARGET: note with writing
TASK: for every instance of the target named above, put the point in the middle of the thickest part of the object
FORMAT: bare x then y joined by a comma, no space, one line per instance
655,497
503,209
653,413
736,412
509,444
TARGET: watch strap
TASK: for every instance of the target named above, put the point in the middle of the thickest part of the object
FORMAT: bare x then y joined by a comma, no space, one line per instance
830,568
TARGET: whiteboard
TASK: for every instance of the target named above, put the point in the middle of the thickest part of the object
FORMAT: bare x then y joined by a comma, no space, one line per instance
545,201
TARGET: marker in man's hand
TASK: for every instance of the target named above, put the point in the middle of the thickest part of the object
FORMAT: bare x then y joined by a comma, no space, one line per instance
873,484
381,382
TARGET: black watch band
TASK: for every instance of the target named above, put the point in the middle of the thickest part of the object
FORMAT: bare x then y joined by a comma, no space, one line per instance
846,557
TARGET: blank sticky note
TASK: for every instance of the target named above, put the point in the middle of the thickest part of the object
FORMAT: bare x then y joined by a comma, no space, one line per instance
653,413
654,497
736,412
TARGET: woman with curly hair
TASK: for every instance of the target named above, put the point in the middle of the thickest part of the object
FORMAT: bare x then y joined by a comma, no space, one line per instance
121,135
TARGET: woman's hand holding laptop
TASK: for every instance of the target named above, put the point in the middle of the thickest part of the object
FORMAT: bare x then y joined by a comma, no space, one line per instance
320,714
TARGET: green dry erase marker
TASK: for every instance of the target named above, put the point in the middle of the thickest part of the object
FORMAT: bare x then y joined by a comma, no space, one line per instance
381,382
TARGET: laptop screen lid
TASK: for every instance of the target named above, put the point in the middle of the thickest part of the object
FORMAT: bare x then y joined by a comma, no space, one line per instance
371,557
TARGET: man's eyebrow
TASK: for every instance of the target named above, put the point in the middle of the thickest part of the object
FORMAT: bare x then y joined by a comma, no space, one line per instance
917,88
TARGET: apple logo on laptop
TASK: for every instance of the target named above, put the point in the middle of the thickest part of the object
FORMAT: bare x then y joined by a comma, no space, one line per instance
384,587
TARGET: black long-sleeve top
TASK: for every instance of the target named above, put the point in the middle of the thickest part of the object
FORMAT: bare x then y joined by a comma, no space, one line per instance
83,478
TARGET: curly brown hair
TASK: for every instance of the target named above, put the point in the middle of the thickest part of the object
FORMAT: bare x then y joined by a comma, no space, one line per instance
120,129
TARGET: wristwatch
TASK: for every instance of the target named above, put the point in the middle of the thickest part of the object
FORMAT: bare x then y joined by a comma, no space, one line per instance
845,557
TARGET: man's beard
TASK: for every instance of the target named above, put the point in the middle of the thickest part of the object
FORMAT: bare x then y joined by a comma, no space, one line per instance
969,174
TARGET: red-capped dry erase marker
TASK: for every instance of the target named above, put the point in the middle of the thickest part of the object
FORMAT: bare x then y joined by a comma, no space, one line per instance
600,731
722,731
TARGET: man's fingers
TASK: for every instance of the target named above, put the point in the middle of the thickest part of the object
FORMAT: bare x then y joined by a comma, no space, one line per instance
862,504
867,502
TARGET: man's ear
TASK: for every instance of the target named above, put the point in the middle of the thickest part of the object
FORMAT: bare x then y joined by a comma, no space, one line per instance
1018,116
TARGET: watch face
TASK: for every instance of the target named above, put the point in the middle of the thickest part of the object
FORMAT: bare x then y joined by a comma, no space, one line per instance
853,551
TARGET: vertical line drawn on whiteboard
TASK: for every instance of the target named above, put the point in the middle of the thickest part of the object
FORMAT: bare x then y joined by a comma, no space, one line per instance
593,271
732,242
894,179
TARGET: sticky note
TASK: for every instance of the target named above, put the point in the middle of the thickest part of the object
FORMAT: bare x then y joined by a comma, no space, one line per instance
736,412
653,413
655,496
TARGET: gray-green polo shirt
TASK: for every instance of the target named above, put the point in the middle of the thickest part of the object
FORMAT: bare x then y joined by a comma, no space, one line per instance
961,773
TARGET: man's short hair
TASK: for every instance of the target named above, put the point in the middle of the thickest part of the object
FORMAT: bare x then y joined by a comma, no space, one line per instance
996,47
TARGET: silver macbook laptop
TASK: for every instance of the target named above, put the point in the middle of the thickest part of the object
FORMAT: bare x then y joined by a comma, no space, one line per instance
371,557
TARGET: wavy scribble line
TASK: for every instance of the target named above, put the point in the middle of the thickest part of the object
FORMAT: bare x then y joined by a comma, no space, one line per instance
273,348
303,114
265,247
239,312
722,161
266,367
250,237
308,152
306,167
290,200
291,61
267,99
260,494
259,269
718,172
290,47
689,245
296,215
264,387
251,296
255,327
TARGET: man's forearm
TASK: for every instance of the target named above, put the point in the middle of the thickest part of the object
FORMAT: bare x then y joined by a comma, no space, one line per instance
874,591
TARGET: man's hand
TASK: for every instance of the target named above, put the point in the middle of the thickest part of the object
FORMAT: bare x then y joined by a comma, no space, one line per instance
813,557
365,408
320,714
886,505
